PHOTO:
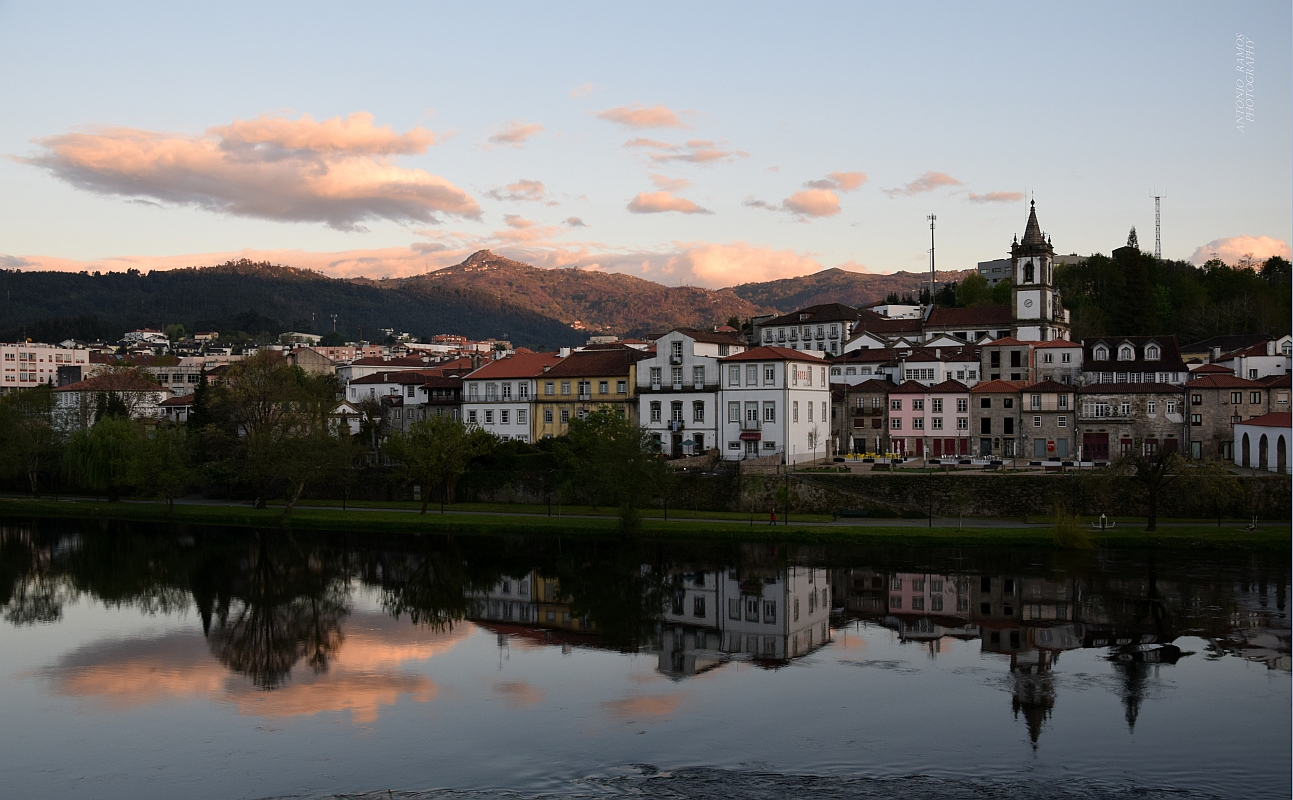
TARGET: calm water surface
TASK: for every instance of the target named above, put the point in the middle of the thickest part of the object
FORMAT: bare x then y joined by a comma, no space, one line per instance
208,663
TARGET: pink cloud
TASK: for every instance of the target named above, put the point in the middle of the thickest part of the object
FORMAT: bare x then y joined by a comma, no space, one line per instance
515,133
1233,248
516,221
925,183
698,151
338,171
521,191
660,202
576,222
813,203
640,116
670,184
582,90
995,197
839,181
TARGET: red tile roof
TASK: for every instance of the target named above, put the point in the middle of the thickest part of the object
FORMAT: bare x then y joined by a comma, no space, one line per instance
1054,343
518,365
595,363
770,353
1049,385
1212,369
999,387
949,385
1223,382
1275,419
112,382
969,317
910,387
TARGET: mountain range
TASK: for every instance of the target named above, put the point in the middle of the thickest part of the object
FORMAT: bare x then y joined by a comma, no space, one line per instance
486,295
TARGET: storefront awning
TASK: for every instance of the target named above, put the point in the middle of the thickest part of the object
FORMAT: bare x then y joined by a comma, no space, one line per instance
751,436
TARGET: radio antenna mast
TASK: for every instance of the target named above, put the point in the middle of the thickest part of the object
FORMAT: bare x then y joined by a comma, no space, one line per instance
1158,229
931,219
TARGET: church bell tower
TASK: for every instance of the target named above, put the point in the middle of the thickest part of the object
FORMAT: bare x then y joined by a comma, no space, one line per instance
1039,314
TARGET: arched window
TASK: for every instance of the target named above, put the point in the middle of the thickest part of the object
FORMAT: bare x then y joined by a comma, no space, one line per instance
1101,353
1126,353
1151,353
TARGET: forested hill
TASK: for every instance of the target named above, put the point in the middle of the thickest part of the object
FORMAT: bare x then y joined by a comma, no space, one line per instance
257,299
838,286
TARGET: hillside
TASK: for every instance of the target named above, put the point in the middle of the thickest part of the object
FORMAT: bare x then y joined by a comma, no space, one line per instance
254,299
836,286
598,301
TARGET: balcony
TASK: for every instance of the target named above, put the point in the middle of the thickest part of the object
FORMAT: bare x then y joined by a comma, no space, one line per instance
676,425
585,396
781,337
835,334
677,386
751,425
675,358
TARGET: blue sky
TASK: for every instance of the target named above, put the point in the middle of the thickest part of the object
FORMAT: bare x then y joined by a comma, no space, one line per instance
161,135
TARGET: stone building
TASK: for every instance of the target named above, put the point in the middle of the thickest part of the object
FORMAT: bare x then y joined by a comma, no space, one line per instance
1050,420
1122,419
1133,359
994,409
860,416
1216,403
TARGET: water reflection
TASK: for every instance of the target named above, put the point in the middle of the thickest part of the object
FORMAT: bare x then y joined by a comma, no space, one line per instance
281,635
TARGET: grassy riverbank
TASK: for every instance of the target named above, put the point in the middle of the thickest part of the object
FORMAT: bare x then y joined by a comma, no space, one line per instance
1233,534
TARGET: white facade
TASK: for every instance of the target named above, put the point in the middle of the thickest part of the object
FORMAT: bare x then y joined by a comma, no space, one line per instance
501,406
1263,443
1273,357
678,391
773,403
26,365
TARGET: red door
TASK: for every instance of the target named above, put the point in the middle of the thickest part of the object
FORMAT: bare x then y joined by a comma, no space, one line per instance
1095,446
938,448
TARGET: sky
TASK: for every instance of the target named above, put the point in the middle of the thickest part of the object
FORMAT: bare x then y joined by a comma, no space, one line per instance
704,144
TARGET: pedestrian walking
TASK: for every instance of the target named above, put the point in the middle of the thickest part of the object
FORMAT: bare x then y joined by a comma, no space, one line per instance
772,517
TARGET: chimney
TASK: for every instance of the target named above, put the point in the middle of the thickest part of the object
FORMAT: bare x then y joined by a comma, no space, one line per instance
563,352
1216,353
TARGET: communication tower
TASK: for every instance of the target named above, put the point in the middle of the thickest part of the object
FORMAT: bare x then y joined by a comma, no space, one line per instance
1158,231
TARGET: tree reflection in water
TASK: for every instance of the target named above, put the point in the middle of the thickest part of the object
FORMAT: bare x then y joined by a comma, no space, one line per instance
289,605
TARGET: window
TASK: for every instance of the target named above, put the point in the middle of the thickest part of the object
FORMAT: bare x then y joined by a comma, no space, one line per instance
962,423
733,375
504,416
1048,358
1126,353
1254,397
1151,407
565,387
1124,410
985,425
1062,421
698,606
936,423
1196,420
1008,427
733,412
1007,402
698,411
794,411
769,611
1100,353
603,387
917,405
751,375
547,416
895,423
962,405
1151,353
1171,406
878,402
1063,401
985,402
1035,401
1037,422
733,445
507,391
565,416
769,374
918,423
895,405
655,411
471,417
768,444
489,417
521,417
675,411
769,411
810,411
621,387
1236,397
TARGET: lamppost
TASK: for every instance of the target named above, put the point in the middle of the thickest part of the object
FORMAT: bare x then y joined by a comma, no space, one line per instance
929,488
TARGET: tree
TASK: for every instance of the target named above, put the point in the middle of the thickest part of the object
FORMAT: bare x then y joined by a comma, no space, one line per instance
101,457
332,339
435,452
1001,293
1131,238
175,332
27,441
1152,473
974,292
814,440
1212,484
160,466
1276,271
617,461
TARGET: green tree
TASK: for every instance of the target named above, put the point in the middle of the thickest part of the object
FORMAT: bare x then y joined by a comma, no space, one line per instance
175,332
1276,271
618,462
1001,293
28,445
332,339
160,466
973,292
101,457
1152,473
436,452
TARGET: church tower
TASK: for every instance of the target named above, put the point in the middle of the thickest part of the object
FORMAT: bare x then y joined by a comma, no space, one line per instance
1039,314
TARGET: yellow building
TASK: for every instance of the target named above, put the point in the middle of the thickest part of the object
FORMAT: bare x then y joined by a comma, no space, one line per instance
582,383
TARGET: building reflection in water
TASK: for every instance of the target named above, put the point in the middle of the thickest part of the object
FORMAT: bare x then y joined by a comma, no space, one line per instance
271,602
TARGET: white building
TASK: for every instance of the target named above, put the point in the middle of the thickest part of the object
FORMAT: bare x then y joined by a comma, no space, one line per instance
27,365
76,405
1263,442
677,389
775,402
822,328
498,396
1272,357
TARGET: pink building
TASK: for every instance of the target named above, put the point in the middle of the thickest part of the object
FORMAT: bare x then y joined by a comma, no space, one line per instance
933,419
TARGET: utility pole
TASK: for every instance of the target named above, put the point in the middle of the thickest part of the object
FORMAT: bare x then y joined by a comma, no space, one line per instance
931,219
